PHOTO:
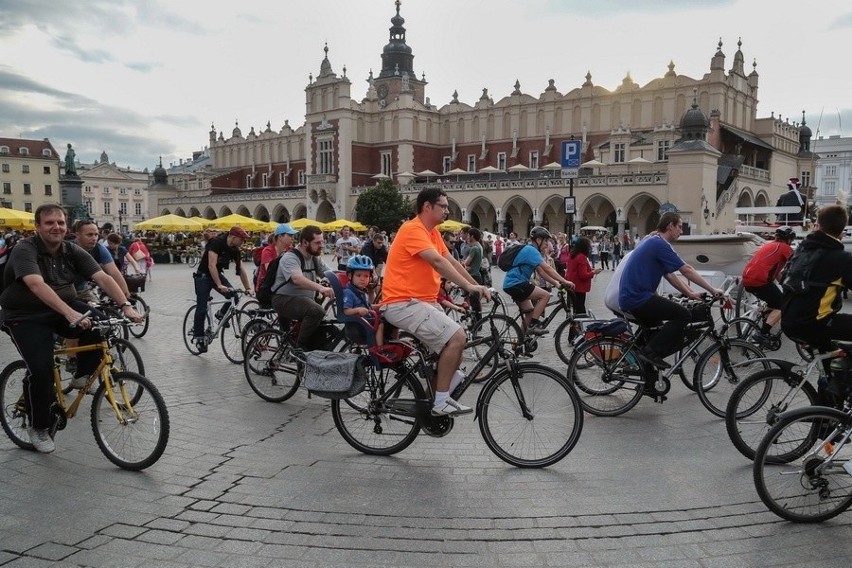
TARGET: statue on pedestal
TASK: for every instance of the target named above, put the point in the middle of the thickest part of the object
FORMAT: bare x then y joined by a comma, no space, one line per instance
70,164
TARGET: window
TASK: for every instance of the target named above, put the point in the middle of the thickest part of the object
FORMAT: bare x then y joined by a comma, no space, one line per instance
386,167
137,191
89,206
106,190
501,160
24,151
7,187
122,191
28,207
471,162
618,150
46,153
88,189
48,189
806,179
28,189
829,187
137,209
325,150
122,208
663,150
265,180
5,168
107,208
282,179
301,177
831,171
534,160
47,170
448,164
25,169
248,181
4,149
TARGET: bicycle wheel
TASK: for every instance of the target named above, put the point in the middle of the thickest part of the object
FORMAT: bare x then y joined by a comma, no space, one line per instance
798,475
564,339
530,416
745,301
125,357
142,307
231,338
188,337
14,417
246,312
192,260
721,368
743,328
508,331
269,367
137,438
252,328
382,420
607,383
758,402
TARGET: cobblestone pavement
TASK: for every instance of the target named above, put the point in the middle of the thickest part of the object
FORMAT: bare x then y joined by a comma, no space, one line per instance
245,482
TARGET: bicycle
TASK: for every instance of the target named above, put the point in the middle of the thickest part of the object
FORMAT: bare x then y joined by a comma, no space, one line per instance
748,326
803,468
611,378
192,256
228,328
529,415
129,418
138,303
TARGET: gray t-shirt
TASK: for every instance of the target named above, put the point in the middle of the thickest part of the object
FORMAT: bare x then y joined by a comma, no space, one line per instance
291,264
341,246
60,271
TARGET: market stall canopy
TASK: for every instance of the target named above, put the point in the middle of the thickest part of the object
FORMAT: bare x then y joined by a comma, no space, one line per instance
16,220
228,221
300,224
169,222
340,223
451,225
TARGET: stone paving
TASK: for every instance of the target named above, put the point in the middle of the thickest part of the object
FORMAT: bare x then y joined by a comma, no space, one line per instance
245,482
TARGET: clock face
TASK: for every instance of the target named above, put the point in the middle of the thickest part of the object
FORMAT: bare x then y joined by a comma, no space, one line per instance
383,91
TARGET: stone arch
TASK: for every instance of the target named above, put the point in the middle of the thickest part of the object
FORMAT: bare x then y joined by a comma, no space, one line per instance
243,210
325,212
300,211
179,211
518,216
165,212
553,214
194,212
761,199
454,212
642,213
225,211
261,213
483,214
745,199
280,214
209,213
599,210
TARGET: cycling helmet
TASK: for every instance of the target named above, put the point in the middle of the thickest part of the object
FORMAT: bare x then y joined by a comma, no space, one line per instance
785,233
359,262
540,233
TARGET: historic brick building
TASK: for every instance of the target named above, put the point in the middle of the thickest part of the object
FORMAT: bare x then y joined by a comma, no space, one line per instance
693,144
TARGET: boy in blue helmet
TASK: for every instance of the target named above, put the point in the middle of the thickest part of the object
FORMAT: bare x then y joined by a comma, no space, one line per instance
356,301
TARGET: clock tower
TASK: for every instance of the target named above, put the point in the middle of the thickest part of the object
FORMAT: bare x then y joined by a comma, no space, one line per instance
397,75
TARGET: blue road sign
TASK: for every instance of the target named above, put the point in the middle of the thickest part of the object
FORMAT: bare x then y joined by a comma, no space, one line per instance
571,153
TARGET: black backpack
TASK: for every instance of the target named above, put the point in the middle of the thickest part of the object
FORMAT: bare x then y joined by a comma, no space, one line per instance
797,279
265,291
507,260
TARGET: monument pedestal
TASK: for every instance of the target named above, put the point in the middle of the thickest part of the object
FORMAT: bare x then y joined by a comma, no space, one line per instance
71,190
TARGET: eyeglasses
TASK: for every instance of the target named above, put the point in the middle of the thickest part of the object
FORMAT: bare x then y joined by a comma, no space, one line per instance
443,206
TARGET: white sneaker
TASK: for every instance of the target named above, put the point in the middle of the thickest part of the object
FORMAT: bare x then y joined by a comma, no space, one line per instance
451,408
41,441
80,383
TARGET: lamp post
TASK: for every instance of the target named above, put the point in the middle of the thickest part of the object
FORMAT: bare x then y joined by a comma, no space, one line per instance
120,222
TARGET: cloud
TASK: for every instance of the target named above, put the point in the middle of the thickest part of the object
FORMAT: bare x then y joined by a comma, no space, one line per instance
610,7
142,67
833,122
844,21
67,43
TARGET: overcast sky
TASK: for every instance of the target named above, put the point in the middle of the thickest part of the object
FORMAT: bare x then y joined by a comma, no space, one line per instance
144,78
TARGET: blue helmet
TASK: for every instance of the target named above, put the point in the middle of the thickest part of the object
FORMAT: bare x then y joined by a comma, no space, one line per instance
359,262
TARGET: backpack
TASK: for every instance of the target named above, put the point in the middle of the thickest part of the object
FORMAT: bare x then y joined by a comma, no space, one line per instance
265,291
507,260
256,254
5,252
796,278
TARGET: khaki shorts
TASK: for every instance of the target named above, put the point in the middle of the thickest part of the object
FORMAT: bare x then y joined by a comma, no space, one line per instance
426,322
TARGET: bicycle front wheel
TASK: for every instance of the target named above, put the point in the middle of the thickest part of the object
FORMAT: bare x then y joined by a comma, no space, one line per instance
231,338
721,368
140,306
758,402
508,332
252,328
607,383
270,369
188,337
382,420
13,410
136,437
530,416
800,467
564,339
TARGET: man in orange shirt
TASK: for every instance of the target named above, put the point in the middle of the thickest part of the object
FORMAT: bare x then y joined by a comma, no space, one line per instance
761,273
417,260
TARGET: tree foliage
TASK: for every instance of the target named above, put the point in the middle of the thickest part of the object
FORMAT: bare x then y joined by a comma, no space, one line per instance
383,206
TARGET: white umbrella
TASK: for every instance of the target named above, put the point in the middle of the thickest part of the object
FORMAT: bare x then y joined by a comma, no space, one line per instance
381,176
592,164
552,166
489,170
519,168
457,172
639,160
427,173
405,177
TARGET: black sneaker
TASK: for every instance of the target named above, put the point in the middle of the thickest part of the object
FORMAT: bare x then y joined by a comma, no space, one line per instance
219,316
201,344
536,329
653,359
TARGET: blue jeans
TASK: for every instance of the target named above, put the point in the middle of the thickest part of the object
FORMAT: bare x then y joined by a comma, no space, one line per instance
203,286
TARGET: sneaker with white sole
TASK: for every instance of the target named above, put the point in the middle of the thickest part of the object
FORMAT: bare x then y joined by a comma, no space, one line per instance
450,408
41,440
79,383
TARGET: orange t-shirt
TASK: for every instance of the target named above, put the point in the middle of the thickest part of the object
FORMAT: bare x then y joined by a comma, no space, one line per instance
407,275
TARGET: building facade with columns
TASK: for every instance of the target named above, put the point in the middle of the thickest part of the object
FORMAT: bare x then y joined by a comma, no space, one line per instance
691,144
833,173
112,194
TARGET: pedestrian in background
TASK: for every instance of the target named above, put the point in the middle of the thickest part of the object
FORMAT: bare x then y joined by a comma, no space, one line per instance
580,273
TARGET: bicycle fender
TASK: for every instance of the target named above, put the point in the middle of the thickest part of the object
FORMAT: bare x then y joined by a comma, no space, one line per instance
785,366
805,410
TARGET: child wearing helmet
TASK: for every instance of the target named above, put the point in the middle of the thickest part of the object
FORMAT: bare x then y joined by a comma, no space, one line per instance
356,301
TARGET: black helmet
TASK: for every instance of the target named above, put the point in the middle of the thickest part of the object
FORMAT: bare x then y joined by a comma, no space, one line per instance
785,233
540,232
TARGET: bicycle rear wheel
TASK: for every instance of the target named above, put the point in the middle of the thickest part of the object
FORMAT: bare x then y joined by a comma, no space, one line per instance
188,337
382,420
793,473
13,410
721,368
607,383
139,437
530,416
269,366
142,307
758,402
252,328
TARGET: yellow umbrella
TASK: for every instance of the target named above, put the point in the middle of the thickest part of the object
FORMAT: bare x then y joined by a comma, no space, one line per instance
300,224
228,221
204,222
340,223
169,222
271,225
14,219
450,225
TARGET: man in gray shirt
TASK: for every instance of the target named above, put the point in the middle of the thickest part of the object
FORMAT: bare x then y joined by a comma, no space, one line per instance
297,284
346,246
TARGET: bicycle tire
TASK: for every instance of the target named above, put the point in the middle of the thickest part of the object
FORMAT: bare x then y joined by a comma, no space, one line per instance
381,420
744,301
791,478
125,357
188,338
13,412
508,331
759,401
231,339
548,433
605,386
140,306
140,439
565,345
252,328
714,389
192,260
246,312
269,368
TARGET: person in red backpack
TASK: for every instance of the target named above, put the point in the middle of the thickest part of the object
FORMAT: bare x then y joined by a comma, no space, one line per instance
762,272
280,241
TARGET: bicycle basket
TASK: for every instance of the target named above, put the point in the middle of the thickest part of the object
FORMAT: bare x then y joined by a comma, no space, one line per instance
334,375
135,282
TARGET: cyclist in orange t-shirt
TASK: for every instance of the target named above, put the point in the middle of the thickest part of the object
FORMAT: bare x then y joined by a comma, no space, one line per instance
417,260
761,273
